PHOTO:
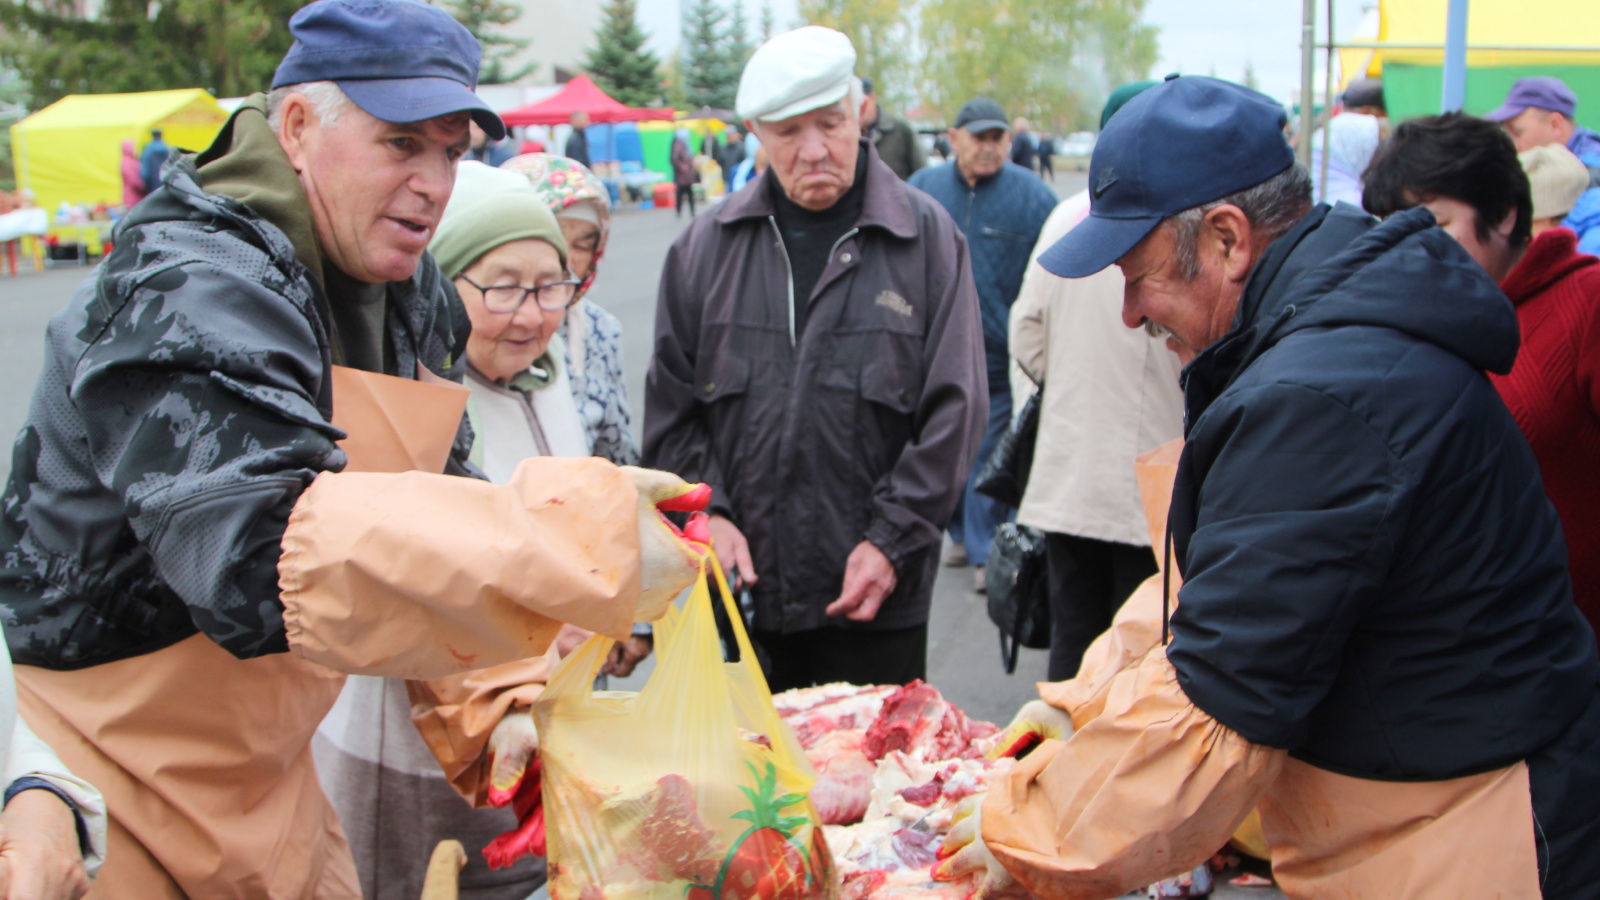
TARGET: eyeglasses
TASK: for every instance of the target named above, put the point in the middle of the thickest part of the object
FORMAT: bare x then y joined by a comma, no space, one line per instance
557,295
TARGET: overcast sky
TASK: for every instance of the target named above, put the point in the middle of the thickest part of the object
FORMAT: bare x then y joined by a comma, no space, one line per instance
1197,36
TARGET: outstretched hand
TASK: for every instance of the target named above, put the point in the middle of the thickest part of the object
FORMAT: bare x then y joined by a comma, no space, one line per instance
964,853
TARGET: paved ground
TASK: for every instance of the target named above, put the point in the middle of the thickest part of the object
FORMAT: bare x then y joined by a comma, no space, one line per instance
963,652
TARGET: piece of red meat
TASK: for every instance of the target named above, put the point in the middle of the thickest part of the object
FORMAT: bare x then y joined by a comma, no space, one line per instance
844,778
915,718
673,840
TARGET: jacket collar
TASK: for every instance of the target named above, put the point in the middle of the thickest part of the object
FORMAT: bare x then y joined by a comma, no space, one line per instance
886,204
1551,257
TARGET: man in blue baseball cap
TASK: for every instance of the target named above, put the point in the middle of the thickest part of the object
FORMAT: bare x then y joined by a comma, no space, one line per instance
236,481
1373,640
1541,110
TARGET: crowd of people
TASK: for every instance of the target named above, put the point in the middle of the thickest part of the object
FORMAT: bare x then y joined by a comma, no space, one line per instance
331,461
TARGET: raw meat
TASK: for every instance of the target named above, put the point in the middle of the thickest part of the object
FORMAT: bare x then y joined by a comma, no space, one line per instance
916,719
816,712
844,777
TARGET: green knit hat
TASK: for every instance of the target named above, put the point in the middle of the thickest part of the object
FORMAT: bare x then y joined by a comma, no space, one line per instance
488,208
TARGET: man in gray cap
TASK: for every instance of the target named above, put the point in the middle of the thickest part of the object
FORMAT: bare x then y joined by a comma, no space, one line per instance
819,362
188,564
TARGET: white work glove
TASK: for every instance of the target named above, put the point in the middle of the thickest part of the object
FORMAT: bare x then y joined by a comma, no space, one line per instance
964,852
1035,723
669,559
512,745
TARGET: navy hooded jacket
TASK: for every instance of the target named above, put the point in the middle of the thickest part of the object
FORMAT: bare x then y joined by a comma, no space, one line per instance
1374,579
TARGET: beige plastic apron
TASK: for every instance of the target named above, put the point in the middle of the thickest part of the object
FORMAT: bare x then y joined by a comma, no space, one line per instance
205,759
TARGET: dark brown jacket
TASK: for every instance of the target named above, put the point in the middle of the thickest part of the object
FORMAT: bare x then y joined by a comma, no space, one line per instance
864,429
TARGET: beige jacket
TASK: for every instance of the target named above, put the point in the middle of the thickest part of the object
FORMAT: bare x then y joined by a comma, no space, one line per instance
1110,393
1150,786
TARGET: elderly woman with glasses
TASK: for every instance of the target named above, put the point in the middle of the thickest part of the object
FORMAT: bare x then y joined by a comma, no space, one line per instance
502,249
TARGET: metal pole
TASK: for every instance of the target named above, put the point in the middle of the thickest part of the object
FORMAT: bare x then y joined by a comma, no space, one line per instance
1455,58
1308,72
1327,127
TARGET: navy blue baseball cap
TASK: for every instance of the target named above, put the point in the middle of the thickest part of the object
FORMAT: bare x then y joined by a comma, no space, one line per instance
400,60
1178,145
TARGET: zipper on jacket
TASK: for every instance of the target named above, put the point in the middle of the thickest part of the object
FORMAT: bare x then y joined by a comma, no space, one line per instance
788,267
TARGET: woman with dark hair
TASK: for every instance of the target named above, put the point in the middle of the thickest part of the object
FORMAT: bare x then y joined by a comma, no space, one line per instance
1467,171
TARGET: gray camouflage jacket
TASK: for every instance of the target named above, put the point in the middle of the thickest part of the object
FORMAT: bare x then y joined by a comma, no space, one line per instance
184,405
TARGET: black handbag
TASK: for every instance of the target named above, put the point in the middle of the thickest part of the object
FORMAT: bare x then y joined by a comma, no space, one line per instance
1018,590
1004,475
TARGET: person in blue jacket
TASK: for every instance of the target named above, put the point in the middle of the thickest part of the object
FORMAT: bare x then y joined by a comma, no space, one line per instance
1375,643
1000,207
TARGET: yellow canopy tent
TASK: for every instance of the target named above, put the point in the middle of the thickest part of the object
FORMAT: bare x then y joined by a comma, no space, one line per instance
72,149
1515,39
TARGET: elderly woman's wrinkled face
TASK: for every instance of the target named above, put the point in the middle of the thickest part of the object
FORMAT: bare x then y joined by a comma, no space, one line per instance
506,343
377,189
583,241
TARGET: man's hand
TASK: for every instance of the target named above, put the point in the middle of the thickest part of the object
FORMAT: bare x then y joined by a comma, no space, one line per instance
669,559
570,638
964,852
40,858
733,551
627,655
869,578
515,778
1035,723
512,745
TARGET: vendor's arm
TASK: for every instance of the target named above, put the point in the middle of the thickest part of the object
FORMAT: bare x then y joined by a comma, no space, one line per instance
203,395
456,715
911,504
1277,571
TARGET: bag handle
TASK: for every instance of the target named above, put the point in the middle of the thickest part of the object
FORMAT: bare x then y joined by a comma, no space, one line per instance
747,651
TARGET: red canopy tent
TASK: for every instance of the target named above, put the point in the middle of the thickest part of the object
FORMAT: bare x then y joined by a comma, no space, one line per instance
581,94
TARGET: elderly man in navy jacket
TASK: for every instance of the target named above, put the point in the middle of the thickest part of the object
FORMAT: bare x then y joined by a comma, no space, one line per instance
1000,207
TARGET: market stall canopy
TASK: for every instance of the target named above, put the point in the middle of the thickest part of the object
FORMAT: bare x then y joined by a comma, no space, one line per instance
1506,40
72,149
581,94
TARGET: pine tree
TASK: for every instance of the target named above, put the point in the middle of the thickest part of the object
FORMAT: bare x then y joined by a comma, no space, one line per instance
484,19
766,21
710,76
1250,79
620,62
739,45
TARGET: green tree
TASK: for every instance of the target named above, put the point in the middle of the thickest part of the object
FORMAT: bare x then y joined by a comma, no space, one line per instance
739,45
766,21
710,75
229,48
1250,80
1051,60
620,62
485,19
881,31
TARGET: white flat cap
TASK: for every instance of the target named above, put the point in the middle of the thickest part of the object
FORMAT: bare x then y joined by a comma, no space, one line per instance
795,72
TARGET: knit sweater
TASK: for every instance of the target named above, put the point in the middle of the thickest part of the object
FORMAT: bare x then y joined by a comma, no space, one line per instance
1554,392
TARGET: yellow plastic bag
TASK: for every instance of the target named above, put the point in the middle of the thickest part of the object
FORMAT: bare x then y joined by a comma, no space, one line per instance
691,789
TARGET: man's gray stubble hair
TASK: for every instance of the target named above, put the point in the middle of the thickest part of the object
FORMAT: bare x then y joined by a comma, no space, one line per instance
327,101
1273,207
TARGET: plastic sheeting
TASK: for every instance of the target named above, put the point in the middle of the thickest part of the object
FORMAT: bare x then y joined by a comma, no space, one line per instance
72,149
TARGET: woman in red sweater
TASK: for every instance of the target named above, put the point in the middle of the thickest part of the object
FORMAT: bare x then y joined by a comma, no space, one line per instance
1467,171
1554,391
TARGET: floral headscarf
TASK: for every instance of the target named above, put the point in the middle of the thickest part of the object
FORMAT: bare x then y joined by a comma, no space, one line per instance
563,182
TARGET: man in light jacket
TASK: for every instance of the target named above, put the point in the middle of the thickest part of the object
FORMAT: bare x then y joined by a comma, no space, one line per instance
1110,394
819,362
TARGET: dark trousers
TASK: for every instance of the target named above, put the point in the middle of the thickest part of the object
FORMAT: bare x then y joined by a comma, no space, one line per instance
826,655
977,516
1047,167
685,193
1089,580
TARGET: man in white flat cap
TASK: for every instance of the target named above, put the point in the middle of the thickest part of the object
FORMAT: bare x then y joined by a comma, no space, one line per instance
819,362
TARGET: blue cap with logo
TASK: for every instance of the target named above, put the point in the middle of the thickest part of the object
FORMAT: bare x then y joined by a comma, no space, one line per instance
399,60
1176,146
